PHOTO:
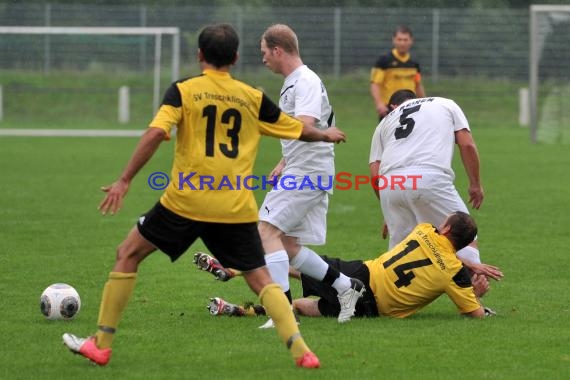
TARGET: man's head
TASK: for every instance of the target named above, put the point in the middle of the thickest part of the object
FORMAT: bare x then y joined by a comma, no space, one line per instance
402,39
277,42
218,45
400,97
460,228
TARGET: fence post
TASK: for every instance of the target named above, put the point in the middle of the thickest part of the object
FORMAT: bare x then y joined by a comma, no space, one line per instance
143,22
1,105
47,40
240,31
435,46
524,107
124,114
337,39
156,87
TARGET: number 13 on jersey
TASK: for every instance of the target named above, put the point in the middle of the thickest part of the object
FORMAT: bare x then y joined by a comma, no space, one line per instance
231,117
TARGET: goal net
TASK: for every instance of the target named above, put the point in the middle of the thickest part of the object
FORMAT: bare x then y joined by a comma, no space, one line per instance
549,88
79,77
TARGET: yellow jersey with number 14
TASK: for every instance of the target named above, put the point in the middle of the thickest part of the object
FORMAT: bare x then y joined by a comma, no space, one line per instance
416,272
219,122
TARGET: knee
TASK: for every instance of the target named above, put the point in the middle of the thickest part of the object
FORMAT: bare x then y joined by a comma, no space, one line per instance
268,232
291,245
306,307
125,253
297,306
257,279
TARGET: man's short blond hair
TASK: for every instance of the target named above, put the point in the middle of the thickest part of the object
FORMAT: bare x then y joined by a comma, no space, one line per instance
283,36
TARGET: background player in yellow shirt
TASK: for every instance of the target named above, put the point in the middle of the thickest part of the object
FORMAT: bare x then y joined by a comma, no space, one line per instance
395,70
219,123
405,279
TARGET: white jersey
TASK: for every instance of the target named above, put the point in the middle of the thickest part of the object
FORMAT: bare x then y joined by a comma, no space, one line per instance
420,133
303,94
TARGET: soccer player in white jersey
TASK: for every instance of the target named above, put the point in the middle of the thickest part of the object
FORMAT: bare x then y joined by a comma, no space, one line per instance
415,142
289,219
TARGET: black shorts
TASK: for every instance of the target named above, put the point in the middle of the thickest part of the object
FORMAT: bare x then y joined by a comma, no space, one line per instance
328,302
234,245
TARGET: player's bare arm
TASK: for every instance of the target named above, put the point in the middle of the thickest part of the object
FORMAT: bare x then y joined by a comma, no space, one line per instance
277,170
381,108
332,134
374,170
484,269
470,159
145,149
480,285
478,313
307,120
385,231
420,91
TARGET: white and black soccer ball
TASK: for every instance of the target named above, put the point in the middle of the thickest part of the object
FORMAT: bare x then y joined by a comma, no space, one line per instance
60,301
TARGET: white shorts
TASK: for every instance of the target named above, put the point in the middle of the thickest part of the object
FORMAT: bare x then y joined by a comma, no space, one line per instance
298,213
433,199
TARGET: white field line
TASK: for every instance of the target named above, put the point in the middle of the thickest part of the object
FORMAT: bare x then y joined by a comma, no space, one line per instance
70,132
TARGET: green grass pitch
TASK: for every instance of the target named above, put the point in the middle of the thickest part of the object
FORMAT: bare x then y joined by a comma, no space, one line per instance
51,232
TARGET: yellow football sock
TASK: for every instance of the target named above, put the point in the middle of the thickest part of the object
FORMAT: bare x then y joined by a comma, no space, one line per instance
116,294
235,272
278,308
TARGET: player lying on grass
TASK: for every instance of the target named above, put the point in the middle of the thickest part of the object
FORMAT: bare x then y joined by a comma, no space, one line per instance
398,283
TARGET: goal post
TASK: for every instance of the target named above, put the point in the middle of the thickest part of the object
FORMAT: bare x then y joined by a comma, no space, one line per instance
549,78
157,32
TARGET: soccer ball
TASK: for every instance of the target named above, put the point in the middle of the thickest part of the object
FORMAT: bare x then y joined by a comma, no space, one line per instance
60,301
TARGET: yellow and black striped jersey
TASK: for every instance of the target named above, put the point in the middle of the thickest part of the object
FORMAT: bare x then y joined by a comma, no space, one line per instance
219,122
416,272
393,72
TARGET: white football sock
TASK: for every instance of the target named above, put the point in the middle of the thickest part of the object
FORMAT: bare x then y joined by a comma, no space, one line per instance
342,283
308,262
278,265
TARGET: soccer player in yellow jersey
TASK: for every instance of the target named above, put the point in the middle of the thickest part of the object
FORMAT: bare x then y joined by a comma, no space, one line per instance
219,122
395,70
411,275
408,277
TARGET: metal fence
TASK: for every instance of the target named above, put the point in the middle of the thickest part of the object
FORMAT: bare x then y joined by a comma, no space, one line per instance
448,42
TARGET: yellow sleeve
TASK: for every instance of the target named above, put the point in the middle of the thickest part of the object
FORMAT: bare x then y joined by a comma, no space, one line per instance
376,75
170,111
274,122
286,127
166,117
463,298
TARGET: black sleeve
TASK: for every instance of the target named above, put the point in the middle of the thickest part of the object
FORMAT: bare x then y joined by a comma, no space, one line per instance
172,96
268,111
462,278
382,62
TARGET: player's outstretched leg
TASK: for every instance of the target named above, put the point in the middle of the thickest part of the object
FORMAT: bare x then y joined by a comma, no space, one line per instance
116,294
87,348
219,306
209,264
349,298
278,308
